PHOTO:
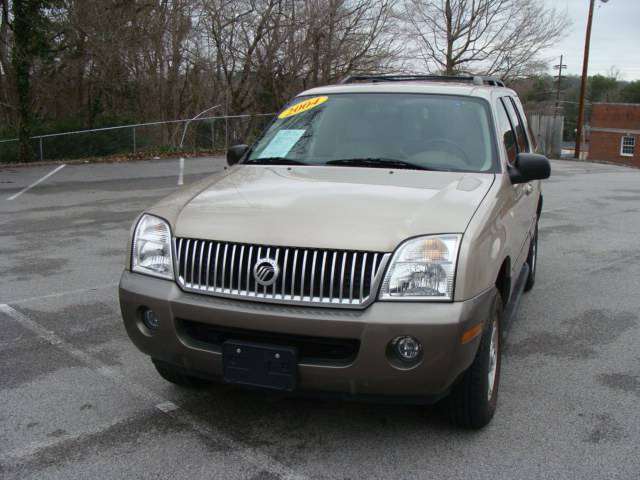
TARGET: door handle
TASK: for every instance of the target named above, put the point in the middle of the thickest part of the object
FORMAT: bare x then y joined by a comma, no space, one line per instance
528,188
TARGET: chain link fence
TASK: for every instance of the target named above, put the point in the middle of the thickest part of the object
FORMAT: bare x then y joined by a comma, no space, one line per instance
208,133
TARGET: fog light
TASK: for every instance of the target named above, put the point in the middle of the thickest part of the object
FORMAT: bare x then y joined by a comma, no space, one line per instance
407,349
150,319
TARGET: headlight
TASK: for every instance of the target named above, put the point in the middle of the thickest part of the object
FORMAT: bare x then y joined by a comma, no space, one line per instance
152,248
422,269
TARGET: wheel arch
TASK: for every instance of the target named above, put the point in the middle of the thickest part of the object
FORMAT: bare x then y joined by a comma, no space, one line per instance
539,207
503,280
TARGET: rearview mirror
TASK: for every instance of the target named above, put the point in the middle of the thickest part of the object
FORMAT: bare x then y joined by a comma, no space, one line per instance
235,153
528,167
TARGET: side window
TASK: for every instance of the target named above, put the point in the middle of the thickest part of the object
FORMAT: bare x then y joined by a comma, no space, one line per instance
518,126
534,141
533,146
506,133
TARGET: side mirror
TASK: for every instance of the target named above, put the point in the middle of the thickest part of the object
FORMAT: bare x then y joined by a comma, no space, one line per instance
528,167
235,153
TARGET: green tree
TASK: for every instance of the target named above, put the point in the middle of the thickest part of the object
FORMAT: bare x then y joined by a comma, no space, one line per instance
541,90
630,93
602,89
30,42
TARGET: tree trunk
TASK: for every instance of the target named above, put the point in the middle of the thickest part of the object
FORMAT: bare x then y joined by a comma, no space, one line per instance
22,60
449,70
4,56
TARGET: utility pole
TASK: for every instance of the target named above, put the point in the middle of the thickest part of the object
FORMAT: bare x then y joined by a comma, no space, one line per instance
583,83
559,68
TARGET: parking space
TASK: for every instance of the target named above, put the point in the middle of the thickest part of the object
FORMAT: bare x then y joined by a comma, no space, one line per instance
78,400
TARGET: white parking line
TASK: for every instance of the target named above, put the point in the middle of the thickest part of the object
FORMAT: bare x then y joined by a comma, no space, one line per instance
544,210
61,294
26,189
166,407
181,173
15,455
246,453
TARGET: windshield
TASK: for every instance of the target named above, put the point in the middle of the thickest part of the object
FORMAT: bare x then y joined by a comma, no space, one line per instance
386,130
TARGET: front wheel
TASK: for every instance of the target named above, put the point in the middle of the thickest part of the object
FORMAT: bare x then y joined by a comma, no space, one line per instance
474,398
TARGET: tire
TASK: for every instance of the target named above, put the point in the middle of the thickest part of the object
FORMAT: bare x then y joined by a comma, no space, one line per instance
178,376
473,401
532,261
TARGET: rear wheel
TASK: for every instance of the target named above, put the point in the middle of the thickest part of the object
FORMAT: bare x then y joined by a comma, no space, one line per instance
532,261
178,376
474,398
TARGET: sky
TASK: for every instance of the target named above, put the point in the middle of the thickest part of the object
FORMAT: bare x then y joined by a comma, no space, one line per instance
615,37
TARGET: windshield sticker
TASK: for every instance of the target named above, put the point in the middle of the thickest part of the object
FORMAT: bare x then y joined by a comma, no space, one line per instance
303,107
281,144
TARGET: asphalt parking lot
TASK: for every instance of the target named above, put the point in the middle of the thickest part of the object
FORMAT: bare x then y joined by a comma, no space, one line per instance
77,400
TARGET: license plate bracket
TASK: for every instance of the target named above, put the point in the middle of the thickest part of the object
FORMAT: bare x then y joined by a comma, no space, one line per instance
259,365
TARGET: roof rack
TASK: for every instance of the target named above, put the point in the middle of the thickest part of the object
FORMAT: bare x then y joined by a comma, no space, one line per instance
475,79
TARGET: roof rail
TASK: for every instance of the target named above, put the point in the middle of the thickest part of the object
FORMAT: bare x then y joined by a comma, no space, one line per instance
475,79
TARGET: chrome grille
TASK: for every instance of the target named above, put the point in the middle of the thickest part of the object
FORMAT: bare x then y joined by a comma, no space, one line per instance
307,276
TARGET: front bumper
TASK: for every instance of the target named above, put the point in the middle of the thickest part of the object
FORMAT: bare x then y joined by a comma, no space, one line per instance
439,326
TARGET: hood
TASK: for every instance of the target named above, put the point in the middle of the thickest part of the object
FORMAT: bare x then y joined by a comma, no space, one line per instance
329,207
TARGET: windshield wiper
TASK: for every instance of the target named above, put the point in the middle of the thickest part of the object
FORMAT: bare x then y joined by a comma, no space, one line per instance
373,162
275,161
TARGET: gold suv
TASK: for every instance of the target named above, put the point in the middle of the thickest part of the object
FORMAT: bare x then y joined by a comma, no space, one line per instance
372,243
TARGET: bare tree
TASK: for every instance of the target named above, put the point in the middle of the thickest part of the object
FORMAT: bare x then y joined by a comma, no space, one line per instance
115,61
493,37
267,50
5,106
126,61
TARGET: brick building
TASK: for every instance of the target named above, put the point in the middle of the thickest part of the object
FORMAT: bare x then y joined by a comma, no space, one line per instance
615,133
